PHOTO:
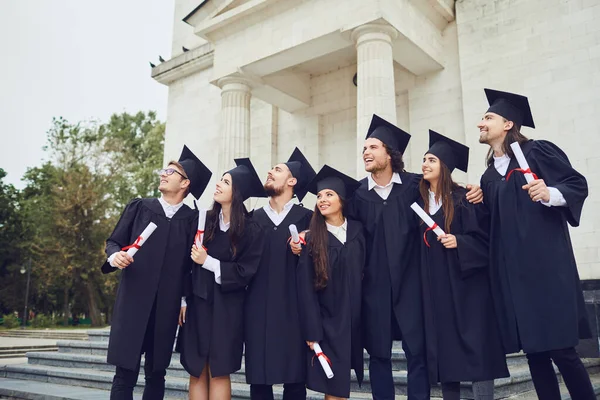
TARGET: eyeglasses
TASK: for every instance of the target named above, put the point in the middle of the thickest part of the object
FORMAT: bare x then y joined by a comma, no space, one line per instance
170,171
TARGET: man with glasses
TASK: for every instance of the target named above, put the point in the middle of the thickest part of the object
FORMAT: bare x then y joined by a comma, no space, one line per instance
146,310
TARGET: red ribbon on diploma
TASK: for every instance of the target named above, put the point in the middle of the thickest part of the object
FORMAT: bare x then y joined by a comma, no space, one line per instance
300,241
319,355
525,171
197,238
135,244
435,225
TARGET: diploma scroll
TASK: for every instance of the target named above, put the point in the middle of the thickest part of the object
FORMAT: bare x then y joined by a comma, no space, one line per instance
201,223
516,148
295,235
427,219
323,360
141,239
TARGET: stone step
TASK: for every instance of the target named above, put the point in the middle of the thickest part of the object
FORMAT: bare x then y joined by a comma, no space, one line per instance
98,335
518,382
57,335
20,351
98,346
66,378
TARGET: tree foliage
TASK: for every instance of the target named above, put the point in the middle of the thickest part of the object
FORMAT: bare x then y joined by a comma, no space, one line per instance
60,221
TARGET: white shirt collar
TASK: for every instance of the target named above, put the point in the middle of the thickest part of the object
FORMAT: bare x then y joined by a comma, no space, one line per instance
333,228
169,209
285,209
224,226
373,184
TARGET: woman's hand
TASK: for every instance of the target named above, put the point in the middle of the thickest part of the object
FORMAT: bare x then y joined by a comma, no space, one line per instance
311,345
182,315
198,255
449,241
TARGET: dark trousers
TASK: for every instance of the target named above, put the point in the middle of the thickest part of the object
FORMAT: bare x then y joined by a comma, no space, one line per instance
291,391
382,380
571,368
125,379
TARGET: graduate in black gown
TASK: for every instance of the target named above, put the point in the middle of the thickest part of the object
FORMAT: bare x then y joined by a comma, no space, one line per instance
211,339
274,349
536,287
148,299
329,286
461,330
392,305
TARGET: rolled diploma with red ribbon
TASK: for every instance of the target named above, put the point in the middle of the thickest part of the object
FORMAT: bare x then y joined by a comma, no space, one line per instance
427,219
295,236
326,367
201,223
516,148
142,238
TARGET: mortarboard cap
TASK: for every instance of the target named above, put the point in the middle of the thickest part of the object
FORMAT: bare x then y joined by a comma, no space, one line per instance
329,178
198,174
513,107
246,179
302,171
388,133
452,153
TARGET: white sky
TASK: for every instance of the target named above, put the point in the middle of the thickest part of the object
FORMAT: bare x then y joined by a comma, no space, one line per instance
79,59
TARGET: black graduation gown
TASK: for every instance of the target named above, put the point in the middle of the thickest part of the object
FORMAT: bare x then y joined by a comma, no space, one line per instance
274,349
392,281
461,330
158,271
535,283
332,316
213,331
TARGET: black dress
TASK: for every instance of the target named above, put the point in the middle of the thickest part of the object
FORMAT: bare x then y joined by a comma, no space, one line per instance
274,349
535,283
213,331
392,281
155,278
331,316
461,330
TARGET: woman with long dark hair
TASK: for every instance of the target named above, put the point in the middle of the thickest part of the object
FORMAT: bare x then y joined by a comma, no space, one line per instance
329,286
211,339
461,330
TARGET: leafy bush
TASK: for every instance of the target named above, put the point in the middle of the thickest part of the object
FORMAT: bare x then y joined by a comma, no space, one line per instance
10,321
42,321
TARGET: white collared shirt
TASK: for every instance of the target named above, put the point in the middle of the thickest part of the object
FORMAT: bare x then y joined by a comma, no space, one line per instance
556,197
433,205
276,217
169,210
384,191
338,231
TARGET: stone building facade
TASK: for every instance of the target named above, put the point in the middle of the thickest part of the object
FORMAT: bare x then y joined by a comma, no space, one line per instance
263,76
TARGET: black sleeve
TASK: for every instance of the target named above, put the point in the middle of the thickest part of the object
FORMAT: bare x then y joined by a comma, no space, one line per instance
473,241
552,165
238,273
122,233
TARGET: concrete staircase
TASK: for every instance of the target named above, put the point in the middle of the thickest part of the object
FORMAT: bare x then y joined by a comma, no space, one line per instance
78,370
54,334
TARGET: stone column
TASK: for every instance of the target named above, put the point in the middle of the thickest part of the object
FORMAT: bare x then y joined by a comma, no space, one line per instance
235,121
375,79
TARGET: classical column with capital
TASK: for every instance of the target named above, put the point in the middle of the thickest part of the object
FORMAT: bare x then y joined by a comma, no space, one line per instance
375,79
235,121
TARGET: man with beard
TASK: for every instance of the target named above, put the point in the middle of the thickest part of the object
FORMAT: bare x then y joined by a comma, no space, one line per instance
534,276
148,299
274,347
392,303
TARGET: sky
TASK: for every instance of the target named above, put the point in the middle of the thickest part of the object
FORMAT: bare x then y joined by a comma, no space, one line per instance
79,59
